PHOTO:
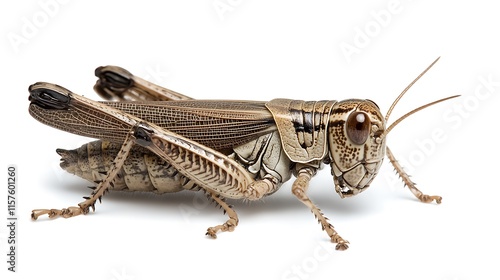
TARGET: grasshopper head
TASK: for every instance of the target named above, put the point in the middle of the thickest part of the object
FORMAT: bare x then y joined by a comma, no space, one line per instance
357,133
356,145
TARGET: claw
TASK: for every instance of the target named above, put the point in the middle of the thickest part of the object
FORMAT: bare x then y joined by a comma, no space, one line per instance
341,243
341,246
211,232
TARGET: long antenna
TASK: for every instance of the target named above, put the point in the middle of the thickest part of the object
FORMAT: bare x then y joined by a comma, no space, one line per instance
407,88
413,112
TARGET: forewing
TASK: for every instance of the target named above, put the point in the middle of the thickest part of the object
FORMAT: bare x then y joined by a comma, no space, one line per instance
219,124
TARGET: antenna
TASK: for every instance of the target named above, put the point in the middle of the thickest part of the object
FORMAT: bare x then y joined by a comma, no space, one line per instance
413,112
407,88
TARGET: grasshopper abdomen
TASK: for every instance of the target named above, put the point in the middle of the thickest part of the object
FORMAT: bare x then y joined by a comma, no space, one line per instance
142,170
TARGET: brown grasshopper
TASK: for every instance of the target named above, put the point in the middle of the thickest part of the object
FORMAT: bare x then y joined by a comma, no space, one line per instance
158,140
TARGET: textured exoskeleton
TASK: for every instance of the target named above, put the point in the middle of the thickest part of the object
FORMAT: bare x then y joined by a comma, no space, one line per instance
157,140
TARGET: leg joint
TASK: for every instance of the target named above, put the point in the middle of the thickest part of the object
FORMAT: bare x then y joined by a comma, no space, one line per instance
142,134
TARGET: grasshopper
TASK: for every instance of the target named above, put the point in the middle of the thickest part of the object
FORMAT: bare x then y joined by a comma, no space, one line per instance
157,140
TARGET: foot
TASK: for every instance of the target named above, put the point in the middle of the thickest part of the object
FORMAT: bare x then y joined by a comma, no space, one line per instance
341,243
54,213
430,198
230,225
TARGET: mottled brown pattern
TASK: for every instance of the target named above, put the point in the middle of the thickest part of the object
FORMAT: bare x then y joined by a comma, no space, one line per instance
354,165
302,126
163,141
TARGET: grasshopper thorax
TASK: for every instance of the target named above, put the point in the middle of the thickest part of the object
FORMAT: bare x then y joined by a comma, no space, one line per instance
355,143
347,134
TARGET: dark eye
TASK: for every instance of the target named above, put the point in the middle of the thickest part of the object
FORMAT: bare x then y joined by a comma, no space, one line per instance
358,127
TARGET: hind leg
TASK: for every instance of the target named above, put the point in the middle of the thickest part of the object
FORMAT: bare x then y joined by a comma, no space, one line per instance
97,193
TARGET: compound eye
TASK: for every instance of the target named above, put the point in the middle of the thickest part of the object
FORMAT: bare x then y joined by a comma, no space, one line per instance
358,127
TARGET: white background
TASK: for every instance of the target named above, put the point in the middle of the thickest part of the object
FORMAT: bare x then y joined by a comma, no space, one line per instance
262,50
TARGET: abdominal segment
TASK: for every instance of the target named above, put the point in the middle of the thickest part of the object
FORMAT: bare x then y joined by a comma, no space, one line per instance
142,170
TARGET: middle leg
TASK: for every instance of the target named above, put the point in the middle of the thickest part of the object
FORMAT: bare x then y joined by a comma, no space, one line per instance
230,224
